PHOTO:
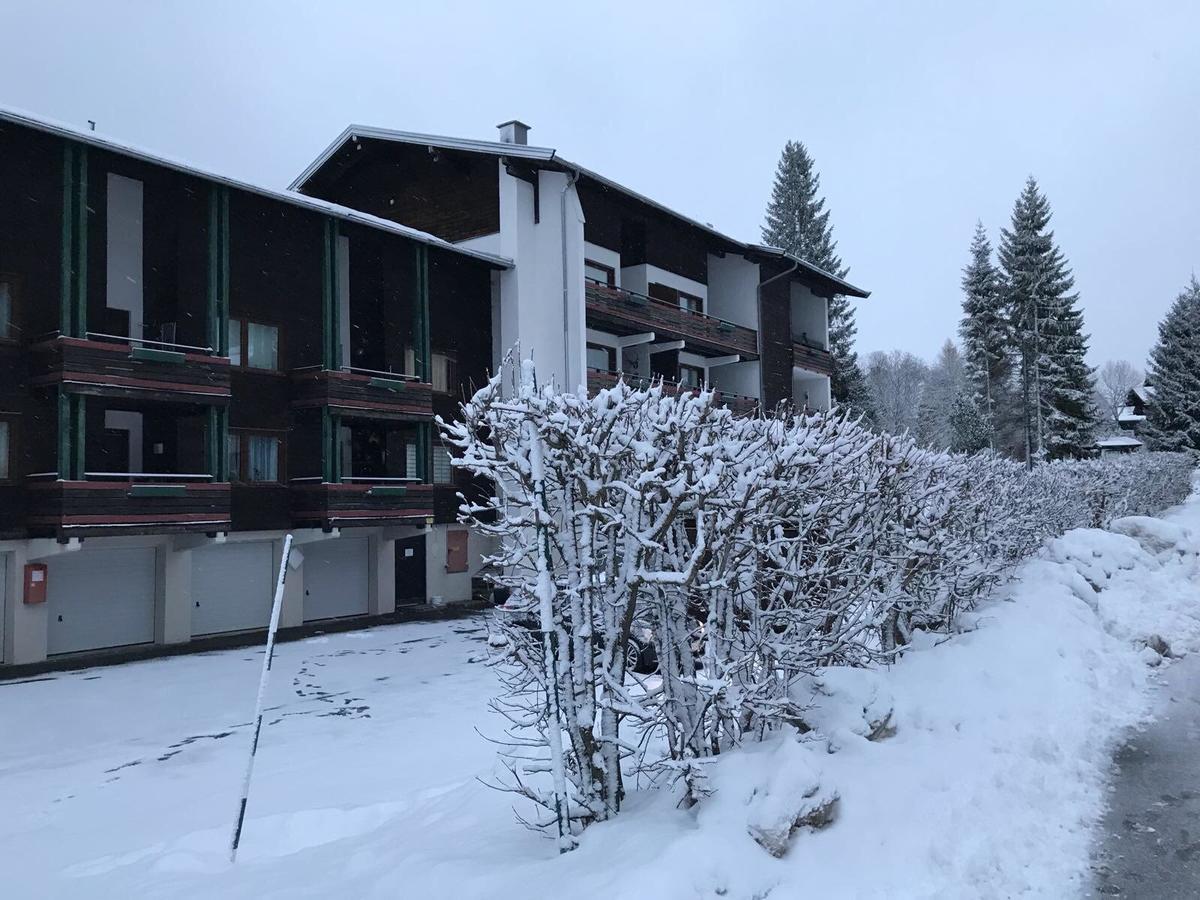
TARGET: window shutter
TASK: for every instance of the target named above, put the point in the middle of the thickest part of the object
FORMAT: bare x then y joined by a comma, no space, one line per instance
456,551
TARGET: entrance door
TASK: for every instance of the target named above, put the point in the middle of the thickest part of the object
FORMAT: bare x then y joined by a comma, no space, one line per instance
410,570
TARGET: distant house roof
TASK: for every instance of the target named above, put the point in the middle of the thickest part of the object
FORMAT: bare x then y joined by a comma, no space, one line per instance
549,157
1117,441
61,129
1127,414
1144,392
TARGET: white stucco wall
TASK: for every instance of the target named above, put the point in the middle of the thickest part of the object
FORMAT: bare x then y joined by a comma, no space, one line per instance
733,289
810,389
532,305
452,587
810,315
744,378
486,243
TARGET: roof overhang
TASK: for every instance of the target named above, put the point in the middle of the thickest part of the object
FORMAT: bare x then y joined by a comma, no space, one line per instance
350,134
547,157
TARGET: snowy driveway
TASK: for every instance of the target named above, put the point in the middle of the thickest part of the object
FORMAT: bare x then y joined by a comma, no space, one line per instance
122,781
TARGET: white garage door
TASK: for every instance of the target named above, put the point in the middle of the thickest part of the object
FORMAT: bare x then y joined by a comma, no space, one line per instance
232,587
100,598
335,579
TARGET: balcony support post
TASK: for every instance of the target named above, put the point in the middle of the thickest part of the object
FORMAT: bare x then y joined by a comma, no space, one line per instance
74,258
216,435
80,434
423,362
218,269
331,342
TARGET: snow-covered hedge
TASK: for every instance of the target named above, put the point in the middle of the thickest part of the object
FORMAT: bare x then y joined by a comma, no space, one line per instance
748,553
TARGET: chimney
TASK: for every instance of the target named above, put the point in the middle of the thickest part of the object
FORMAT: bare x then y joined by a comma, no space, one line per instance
513,132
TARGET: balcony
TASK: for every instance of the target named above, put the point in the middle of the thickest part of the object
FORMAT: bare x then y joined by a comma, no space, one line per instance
806,355
393,501
130,368
597,379
627,312
362,393
121,503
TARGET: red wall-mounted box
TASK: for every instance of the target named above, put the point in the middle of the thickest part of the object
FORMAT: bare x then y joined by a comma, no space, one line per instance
35,583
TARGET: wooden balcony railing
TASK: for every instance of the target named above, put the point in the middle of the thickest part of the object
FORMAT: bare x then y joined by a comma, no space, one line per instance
598,379
628,312
812,358
326,505
113,504
378,395
126,368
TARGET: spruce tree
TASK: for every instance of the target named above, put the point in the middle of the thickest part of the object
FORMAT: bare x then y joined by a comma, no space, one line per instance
1047,326
1173,416
985,336
798,222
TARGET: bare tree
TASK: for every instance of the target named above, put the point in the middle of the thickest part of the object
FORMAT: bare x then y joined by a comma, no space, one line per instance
1114,381
896,381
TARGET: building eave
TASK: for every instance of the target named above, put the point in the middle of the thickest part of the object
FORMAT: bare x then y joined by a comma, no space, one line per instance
549,157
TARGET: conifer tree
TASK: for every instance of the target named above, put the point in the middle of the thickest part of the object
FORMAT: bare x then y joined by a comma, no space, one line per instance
985,335
1057,410
798,222
1173,418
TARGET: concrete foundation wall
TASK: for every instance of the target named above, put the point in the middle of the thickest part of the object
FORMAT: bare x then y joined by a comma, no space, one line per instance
24,628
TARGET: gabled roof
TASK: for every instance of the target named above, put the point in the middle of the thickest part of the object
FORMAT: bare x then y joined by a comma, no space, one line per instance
1145,393
61,129
550,158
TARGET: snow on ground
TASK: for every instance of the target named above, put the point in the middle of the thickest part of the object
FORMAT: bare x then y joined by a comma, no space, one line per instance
122,781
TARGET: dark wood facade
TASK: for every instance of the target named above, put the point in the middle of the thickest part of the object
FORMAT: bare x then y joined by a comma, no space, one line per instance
212,403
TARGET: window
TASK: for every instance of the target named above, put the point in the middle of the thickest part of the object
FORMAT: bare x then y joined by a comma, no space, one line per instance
233,456
263,462
676,297
7,290
691,302
253,345
595,271
262,346
601,357
5,445
254,458
691,376
441,372
443,471
235,342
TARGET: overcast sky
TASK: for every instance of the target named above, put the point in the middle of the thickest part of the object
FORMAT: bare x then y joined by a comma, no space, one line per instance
922,117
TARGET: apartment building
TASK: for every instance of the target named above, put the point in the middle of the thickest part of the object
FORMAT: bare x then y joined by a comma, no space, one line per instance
605,282
191,367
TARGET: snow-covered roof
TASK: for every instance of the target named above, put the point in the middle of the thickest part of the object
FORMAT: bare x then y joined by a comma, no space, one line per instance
550,156
1144,392
1118,441
1126,414
62,129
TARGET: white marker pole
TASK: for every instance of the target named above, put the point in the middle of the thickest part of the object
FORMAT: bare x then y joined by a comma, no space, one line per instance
262,694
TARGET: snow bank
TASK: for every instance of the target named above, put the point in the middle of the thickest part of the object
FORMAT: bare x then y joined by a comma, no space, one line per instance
989,787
